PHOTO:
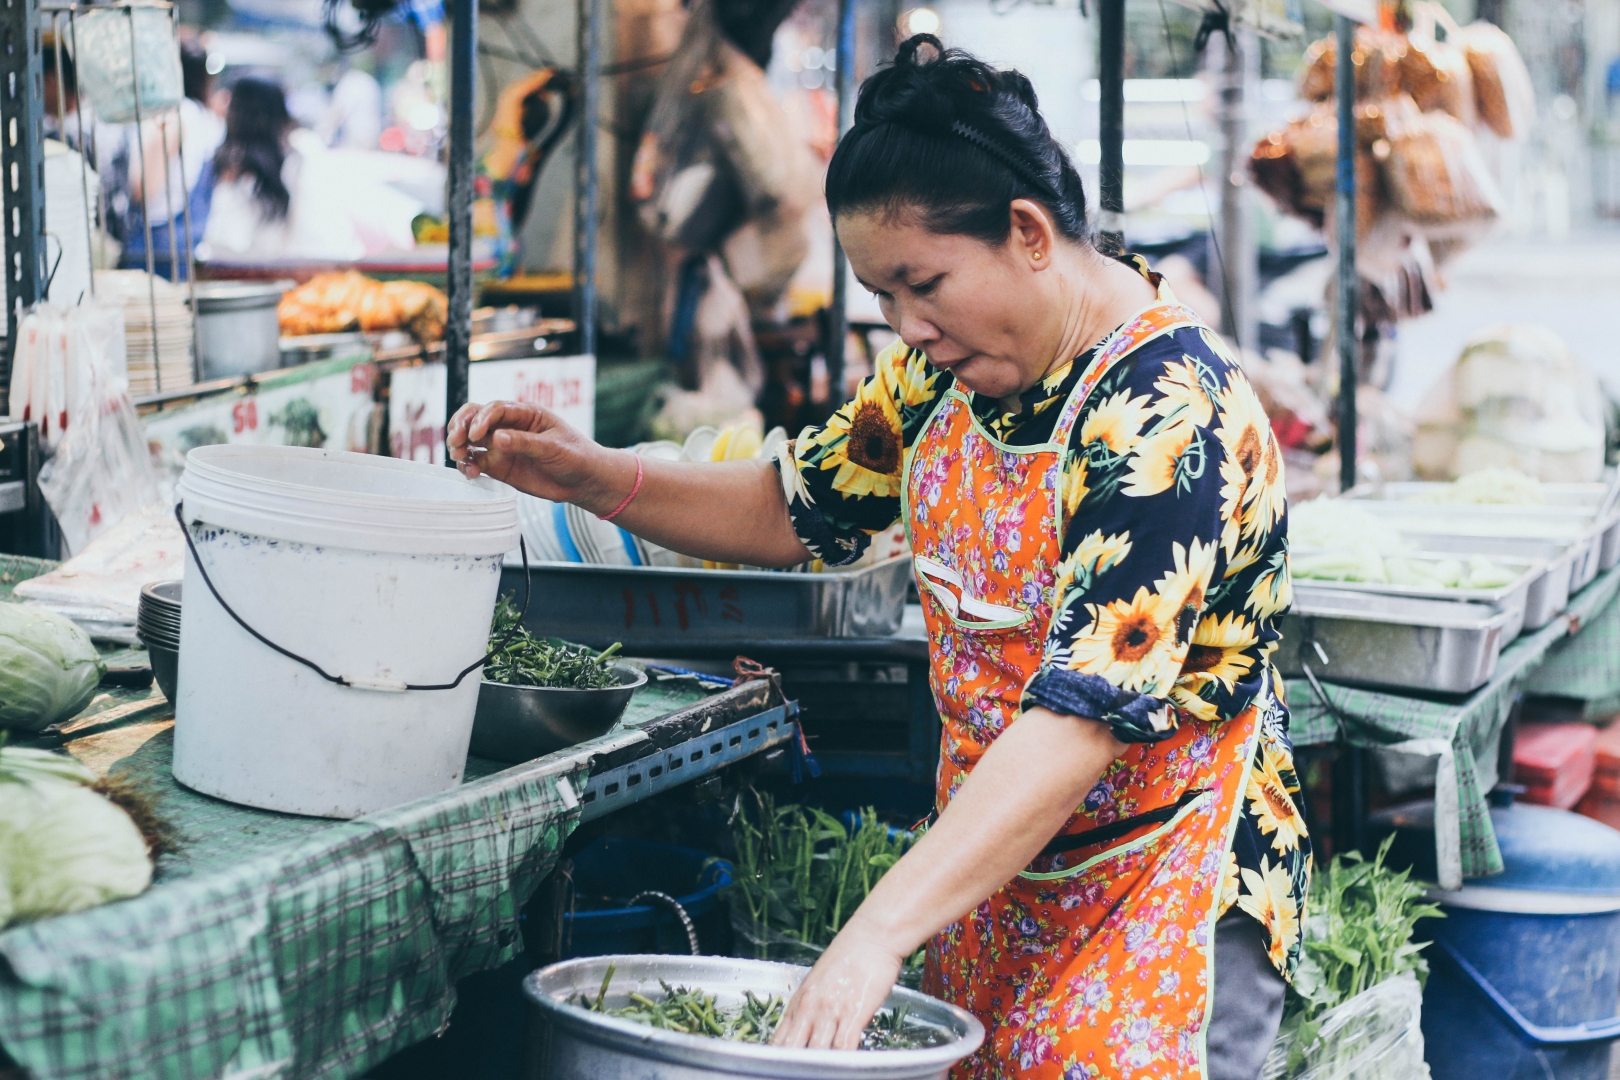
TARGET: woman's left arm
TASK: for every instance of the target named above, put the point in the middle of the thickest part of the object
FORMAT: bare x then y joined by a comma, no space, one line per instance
1013,802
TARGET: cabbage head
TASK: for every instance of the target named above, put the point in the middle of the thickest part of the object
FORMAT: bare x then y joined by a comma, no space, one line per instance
63,846
48,668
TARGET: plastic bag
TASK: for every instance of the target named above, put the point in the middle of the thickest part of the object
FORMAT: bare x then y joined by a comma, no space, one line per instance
101,469
1433,167
1436,73
1504,96
1377,58
1376,1035
759,942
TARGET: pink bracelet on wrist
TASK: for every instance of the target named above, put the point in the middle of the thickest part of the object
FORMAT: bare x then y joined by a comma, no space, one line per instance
617,510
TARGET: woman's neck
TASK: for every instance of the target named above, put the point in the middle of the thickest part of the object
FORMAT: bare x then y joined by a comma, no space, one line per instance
1098,293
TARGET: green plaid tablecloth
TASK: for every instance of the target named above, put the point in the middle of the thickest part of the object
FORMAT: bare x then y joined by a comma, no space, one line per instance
1577,655
284,946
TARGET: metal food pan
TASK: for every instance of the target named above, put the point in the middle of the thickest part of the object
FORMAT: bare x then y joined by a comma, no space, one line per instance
1391,642
1591,494
655,604
1416,519
1609,544
1548,594
1511,597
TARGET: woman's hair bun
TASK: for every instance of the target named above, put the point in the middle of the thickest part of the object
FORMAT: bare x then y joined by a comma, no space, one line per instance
943,132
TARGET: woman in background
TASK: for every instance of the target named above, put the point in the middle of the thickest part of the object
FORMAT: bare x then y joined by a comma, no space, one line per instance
255,173
175,152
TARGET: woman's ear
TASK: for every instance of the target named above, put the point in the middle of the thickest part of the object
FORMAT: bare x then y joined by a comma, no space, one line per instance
1033,237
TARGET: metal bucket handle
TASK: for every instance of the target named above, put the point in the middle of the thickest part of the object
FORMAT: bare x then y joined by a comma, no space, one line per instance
344,680
1589,1032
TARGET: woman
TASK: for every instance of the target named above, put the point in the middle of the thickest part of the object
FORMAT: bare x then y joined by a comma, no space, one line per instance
1095,507
168,173
254,174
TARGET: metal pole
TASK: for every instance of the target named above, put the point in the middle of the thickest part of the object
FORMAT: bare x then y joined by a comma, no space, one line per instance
22,164
1236,277
90,214
146,192
185,217
589,59
1344,212
1111,123
458,327
838,312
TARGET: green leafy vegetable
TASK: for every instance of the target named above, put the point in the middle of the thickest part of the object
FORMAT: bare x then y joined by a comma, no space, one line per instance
1358,933
49,670
63,847
692,1012
527,660
800,874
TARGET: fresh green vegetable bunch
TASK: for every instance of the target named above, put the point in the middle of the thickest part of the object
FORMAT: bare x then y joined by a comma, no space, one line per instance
63,846
527,660
800,874
49,670
692,1012
1358,933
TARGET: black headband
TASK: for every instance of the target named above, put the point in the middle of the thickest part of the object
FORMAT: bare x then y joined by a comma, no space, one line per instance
1019,167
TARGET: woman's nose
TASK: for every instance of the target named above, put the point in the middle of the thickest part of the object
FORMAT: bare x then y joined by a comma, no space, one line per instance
915,331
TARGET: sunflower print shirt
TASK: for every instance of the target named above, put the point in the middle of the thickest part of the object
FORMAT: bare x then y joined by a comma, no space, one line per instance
1172,488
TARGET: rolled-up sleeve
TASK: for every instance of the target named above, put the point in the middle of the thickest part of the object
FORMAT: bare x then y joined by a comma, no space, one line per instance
1172,497
843,480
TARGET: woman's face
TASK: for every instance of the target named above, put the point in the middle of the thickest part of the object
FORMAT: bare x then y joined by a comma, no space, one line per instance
976,309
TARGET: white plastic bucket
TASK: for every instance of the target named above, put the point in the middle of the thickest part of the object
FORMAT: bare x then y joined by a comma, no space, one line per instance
380,571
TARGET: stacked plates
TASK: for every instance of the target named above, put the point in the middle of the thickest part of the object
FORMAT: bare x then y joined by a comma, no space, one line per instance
158,362
157,623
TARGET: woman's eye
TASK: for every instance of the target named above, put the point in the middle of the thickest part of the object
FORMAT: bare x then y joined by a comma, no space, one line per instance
925,287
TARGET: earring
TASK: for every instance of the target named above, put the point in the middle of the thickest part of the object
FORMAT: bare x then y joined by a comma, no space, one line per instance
1037,255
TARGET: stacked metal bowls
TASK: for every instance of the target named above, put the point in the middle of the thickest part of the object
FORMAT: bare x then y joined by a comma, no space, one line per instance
157,624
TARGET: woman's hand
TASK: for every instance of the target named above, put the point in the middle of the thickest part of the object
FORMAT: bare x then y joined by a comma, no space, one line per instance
727,511
833,1005
535,451
1016,799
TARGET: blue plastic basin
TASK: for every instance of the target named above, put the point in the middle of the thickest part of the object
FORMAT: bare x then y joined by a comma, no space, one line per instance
618,867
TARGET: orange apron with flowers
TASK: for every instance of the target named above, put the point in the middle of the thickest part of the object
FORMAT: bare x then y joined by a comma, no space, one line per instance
1096,962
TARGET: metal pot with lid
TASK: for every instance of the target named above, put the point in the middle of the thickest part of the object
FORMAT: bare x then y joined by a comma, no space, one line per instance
238,331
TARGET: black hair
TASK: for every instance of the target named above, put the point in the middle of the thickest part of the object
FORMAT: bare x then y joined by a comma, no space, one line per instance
194,68
943,134
256,143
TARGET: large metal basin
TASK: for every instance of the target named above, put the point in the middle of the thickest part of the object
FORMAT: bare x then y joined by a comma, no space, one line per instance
568,1042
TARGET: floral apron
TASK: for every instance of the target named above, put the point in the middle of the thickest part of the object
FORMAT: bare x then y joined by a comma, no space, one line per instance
1096,962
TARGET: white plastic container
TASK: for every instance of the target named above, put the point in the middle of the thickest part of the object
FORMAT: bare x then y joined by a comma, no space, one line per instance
380,571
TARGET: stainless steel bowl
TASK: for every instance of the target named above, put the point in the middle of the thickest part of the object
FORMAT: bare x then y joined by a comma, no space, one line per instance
576,1042
518,723
165,667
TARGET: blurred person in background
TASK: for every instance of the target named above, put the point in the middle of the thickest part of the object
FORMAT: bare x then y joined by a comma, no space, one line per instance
353,119
175,151
255,172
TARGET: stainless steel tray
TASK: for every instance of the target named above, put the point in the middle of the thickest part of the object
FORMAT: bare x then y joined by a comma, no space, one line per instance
1591,494
642,605
1548,594
1509,523
1511,597
1391,642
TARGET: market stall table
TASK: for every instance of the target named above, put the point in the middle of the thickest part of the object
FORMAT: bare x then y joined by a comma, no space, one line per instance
1576,655
281,945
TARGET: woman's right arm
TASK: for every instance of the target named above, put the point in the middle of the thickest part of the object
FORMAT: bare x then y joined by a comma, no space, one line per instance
733,511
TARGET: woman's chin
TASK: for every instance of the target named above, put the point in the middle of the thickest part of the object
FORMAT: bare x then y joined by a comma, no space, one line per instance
986,378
